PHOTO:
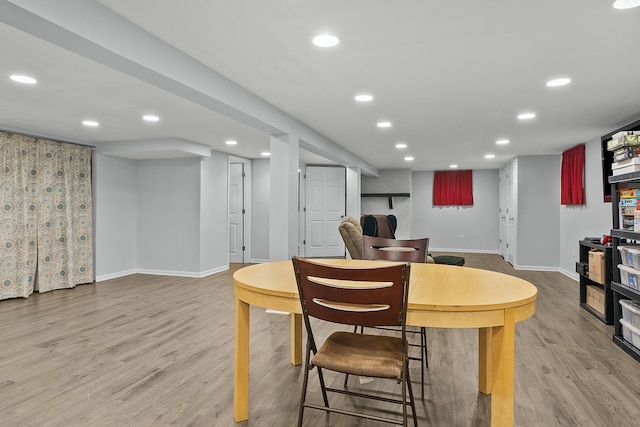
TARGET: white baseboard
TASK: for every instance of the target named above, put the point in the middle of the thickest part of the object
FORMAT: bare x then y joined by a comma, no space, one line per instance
193,274
570,274
471,251
116,275
535,268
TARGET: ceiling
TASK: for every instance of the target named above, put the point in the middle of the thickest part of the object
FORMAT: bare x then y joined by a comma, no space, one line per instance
450,78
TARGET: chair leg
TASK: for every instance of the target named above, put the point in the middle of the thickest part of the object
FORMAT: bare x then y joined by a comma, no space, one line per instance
423,358
346,376
411,399
322,386
303,395
404,396
423,332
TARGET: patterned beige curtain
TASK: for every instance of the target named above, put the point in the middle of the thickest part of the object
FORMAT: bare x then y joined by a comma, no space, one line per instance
65,233
18,228
47,215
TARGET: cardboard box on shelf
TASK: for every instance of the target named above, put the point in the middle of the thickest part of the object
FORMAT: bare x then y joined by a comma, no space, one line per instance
595,298
629,193
596,266
623,170
628,210
622,141
628,202
626,153
625,132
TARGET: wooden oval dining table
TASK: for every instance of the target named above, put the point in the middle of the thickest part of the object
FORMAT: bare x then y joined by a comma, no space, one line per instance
440,296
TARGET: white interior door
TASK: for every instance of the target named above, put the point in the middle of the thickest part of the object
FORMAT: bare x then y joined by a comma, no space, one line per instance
236,213
325,206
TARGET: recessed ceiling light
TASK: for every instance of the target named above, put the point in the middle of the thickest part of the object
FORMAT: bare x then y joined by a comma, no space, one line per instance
384,124
489,156
401,145
231,142
502,141
408,158
363,98
325,40
23,79
559,82
90,123
626,4
453,166
150,118
265,154
526,116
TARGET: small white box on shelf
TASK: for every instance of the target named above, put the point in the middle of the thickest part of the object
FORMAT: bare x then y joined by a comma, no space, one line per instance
634,161
631,312
625,132
624,255
630,333
629,276
634,254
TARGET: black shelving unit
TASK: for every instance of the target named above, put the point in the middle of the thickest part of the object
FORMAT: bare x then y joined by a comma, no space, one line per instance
585,246
621,236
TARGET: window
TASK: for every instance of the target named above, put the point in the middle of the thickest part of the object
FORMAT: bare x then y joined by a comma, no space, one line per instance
572,176
453,188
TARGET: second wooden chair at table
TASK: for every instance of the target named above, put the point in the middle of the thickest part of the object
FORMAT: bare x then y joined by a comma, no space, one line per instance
405,250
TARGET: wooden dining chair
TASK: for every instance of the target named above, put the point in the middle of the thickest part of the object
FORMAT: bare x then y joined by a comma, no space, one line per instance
408,250
355,296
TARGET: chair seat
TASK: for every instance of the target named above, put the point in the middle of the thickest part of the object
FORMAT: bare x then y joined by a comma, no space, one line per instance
366,355
448,259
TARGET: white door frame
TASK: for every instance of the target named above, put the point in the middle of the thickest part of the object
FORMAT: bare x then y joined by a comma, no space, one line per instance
246,196
502,212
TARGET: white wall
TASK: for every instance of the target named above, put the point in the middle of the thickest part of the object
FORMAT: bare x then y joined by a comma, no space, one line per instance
389,181
161,192
115,200
169,222
443,225
260,204
353,192
537,217
589,220
164,216
214,218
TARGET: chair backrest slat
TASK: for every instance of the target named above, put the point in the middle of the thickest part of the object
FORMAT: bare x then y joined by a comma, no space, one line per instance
374,296
408,250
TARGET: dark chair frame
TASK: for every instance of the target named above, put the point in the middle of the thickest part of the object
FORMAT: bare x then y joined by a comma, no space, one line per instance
329,293
373,249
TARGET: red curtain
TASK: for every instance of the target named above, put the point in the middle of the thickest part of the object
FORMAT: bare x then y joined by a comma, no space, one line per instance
572,176
453,188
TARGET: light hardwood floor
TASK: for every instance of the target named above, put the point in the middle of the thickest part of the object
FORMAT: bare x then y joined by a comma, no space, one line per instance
158,351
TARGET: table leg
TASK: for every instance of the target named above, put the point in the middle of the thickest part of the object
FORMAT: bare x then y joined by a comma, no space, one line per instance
502,398
241,363
485,349
296,339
